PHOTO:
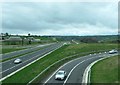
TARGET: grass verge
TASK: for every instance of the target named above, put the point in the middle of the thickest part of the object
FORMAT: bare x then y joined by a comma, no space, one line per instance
28,73
105,71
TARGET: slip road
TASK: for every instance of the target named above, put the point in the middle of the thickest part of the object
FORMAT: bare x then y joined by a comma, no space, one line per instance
75,70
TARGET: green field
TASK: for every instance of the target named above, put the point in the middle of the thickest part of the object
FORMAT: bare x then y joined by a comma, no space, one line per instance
27,74
105,71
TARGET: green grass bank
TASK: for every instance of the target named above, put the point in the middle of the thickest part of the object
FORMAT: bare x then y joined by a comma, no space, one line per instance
106,71
28,73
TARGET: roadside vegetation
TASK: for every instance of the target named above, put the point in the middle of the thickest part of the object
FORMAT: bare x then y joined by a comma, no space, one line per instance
28,73
28,40
106,71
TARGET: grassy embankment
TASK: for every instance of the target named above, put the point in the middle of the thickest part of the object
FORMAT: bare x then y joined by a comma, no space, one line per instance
106,71
27,74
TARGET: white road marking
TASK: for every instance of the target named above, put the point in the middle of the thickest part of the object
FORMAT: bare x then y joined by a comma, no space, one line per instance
86,72
20,63
64,65
25,54
25,65
24,49
75,67
61,67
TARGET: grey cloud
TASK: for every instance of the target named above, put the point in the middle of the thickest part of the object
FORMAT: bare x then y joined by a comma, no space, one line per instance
53,16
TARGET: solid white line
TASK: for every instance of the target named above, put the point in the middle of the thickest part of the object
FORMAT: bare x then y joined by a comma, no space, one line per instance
20,57
85,75
64,65
61,67
75,67
56,70
89,76
20,63
86,72
51,66
32,46
27,64
25,54
78,65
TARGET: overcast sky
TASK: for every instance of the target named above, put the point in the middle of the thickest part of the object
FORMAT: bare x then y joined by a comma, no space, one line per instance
50,18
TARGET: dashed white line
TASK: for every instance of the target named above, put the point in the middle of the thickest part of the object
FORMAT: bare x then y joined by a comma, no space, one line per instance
25,65
74,68
61,67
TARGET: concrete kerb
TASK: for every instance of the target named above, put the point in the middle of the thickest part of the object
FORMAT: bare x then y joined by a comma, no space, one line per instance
28,64
31,63
89,76
87,73
53,65
50,67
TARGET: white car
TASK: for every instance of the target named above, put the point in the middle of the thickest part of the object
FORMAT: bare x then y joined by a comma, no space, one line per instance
60,75
112,51
16,61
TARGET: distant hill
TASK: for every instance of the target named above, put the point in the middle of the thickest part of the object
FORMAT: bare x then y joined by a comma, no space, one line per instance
101,38
84,39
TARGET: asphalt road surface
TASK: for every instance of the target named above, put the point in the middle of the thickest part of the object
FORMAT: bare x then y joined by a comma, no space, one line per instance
8,67
11,54
75,70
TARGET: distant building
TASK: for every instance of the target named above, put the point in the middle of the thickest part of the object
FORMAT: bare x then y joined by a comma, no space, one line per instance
14,40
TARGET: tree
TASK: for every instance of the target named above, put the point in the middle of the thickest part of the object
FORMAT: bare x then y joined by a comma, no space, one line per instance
6,34
29,34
